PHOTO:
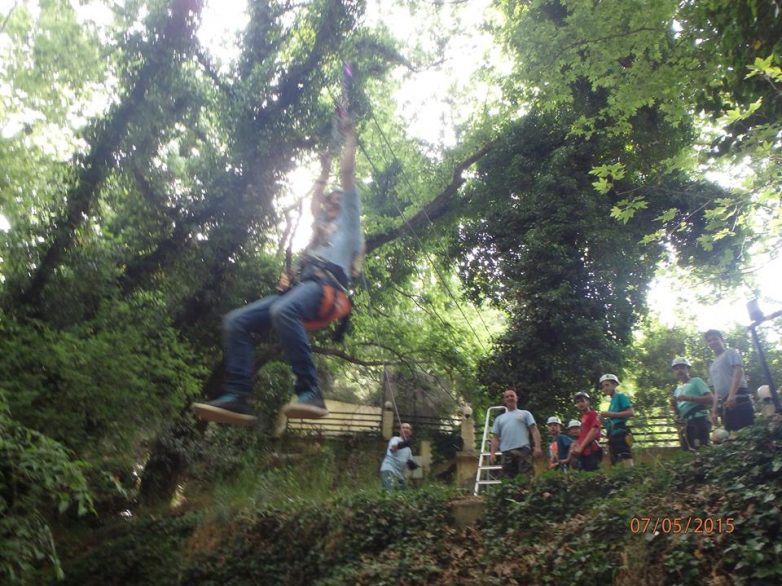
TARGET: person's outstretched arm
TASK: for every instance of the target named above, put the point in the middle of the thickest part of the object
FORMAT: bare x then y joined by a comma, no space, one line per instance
320,184
348,166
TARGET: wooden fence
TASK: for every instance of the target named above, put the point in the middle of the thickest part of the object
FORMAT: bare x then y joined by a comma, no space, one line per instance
654,432
369,420
346,419
338,423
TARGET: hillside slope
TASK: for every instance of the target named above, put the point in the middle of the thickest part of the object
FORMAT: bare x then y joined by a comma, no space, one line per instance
717,516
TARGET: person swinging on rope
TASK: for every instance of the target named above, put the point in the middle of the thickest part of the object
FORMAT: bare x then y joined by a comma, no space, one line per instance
319,296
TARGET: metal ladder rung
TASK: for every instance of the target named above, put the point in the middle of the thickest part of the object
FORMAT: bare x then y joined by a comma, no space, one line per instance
489,482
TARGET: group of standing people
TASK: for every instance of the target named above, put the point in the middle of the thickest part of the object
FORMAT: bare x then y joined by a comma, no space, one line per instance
518,440
696,406
516,435
699,407
580,448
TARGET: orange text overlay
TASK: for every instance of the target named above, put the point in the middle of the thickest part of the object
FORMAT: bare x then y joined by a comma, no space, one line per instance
704,525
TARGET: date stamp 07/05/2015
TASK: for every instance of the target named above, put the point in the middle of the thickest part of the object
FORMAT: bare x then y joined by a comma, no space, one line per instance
674,525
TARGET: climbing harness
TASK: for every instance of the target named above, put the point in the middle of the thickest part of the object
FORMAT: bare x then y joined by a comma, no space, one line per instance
335,305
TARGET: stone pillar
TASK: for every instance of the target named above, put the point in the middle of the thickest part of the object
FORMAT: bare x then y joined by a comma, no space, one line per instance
467,459
280,425
765,404
388,420
467,511
425,455
466,468
468,430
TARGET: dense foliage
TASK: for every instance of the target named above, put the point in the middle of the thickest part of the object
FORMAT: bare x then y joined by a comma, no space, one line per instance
541,243
38,478
560,529
581,526
716,59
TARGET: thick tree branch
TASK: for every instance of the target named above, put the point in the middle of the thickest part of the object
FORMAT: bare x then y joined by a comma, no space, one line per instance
176,38
435,209
210,72
8,17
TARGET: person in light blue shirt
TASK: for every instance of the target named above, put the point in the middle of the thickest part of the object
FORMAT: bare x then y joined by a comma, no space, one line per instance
398,454
512,431
333,257
726,377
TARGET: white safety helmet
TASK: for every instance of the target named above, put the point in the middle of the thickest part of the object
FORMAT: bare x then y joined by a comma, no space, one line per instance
573,423
611,377
554,419
764,393
680,360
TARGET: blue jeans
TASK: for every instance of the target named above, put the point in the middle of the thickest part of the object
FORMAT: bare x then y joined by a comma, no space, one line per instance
286,314
391,481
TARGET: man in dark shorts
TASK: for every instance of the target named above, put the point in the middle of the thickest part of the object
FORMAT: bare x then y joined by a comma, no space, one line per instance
726,378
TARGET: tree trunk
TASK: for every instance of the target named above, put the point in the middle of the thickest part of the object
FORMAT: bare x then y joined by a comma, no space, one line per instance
176,38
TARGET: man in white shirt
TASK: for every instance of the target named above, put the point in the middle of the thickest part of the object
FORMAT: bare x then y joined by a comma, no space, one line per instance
398,454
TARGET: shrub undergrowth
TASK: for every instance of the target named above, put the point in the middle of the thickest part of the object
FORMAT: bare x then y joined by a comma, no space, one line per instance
559,529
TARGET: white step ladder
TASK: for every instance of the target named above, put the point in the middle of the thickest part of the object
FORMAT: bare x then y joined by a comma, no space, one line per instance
485,451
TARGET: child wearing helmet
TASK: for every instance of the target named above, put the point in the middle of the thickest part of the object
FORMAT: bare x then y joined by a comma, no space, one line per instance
691,401
586,449
554,425
615,421
564,441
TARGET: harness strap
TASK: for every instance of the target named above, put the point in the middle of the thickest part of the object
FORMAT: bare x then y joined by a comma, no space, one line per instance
335,304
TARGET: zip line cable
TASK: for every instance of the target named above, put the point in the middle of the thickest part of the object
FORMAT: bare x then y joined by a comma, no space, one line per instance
426,214
387,385
373,323
438,274
340,103
437,271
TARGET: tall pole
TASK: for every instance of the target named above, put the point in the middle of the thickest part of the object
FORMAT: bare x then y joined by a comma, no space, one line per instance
757,317
766,371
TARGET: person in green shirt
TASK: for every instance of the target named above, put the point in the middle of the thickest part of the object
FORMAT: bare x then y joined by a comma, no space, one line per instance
691,402
615,421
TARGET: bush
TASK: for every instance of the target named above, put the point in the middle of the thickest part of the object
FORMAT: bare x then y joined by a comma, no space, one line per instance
280,527
37,479
306,544
102,388
99,387
134,552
